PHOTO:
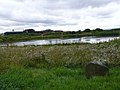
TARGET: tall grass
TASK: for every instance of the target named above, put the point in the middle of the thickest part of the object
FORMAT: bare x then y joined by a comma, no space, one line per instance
59,55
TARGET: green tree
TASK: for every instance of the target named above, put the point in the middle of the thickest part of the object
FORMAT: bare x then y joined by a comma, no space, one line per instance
87,30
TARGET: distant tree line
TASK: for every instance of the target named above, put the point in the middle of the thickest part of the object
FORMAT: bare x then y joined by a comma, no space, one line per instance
60,33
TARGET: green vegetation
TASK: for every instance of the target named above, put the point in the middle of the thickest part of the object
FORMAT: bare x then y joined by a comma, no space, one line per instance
58,67
59,78
58,34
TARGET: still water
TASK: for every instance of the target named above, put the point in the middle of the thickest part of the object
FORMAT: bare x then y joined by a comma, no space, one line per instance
90,39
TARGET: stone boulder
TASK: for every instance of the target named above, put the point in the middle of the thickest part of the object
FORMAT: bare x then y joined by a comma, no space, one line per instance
96,68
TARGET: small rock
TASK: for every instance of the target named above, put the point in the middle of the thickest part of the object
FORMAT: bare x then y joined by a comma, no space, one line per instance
96,68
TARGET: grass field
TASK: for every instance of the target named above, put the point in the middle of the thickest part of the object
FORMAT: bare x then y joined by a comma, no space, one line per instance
58,78
58,67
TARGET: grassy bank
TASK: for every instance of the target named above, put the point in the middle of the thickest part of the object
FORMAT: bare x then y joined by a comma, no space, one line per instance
58,67
22,37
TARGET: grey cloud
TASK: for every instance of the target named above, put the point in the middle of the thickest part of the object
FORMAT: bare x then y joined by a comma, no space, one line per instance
104,12
76,4
95,3
46,21
64,24
33,13
104,15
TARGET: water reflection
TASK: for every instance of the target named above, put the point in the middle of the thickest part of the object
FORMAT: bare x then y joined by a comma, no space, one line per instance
64,41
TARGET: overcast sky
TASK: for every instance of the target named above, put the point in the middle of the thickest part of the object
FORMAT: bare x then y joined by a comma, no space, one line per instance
59,14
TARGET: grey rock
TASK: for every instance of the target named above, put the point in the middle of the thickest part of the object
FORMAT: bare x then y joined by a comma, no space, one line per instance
96,68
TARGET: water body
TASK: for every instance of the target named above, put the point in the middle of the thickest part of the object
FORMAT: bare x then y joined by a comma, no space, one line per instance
90,39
